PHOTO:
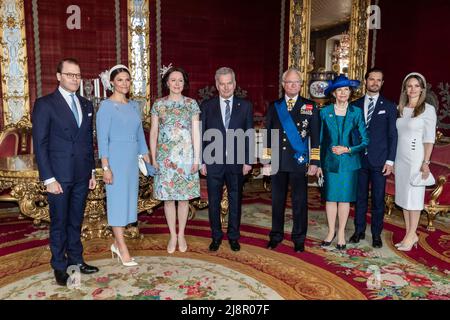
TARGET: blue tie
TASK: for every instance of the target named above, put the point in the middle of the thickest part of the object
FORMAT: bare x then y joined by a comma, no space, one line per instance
370,109
227,113
74,109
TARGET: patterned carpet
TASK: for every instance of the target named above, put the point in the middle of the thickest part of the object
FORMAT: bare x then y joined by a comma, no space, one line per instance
254,273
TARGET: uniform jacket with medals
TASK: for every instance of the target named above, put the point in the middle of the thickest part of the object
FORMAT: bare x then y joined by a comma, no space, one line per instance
305,115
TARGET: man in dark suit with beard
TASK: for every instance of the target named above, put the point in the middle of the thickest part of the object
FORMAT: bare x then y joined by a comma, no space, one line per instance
377,162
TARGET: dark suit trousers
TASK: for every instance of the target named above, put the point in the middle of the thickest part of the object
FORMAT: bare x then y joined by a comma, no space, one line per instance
299,195
66,218
234,184
373,176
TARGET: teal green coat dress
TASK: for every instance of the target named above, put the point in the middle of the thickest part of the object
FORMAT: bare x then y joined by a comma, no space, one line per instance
341,171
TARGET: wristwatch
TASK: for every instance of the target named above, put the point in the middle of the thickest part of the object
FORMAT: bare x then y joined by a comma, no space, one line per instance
105,168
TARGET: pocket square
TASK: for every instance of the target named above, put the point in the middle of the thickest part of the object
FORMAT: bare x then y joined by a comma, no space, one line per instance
381,111
89,114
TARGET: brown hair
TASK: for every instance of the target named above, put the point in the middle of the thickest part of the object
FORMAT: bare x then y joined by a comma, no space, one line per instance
404,100
175,69
68,60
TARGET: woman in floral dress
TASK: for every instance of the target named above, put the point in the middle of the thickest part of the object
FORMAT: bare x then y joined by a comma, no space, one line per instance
175,152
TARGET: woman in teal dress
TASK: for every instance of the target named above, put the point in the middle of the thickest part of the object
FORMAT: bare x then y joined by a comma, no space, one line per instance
175,152
120,141
340,149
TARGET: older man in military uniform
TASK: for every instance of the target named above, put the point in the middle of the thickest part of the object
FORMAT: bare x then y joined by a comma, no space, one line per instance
298,122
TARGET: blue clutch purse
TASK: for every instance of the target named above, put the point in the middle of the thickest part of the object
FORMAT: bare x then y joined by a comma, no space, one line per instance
146,168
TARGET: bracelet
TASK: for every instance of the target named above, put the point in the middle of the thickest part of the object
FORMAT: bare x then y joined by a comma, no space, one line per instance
426,162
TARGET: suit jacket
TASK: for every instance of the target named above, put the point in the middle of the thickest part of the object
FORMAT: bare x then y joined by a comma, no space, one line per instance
241,118
331,136
308,126
62,150
382,131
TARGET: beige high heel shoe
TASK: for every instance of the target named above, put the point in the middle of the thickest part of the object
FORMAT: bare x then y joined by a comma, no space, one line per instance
116,251
171,247
182,247
405,247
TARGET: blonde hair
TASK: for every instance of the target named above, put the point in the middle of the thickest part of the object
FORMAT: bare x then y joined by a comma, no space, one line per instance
404,100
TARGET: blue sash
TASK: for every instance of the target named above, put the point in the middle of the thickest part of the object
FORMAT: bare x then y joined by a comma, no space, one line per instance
299,145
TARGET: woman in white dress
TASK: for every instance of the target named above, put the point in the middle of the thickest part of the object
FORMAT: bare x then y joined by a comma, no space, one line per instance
416,127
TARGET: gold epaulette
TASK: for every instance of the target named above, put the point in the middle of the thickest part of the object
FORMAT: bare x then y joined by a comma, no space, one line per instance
267,153
315,154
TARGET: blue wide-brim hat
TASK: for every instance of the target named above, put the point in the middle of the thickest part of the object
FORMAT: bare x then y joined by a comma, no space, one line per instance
339,82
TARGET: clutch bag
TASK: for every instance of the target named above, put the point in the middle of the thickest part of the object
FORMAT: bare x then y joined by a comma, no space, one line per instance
320,181
146,168
417,181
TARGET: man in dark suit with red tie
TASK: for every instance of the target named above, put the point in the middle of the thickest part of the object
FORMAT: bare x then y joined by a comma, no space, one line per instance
225,121
377,162
63,144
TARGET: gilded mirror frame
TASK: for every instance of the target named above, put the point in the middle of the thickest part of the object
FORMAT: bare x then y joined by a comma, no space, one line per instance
299,40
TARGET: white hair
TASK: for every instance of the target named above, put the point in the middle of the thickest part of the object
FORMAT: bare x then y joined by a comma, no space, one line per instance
295,70
223,71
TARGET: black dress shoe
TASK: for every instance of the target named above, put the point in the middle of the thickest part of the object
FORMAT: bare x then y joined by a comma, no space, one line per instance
376,242
299,247
215,244
234,245
327,243
356,237
87,269
272,244
61,277
341,246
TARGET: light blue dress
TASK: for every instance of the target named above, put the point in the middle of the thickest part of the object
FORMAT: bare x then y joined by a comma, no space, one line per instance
121,139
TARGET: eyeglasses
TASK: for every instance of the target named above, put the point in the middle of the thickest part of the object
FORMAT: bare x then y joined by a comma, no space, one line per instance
292,82
72,75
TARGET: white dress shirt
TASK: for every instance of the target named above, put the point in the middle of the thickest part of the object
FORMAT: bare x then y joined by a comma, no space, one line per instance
66,95
68,98
294,98
223,106
366,110
366,104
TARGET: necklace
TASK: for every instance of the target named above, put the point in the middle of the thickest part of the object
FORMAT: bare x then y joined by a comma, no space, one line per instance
340,108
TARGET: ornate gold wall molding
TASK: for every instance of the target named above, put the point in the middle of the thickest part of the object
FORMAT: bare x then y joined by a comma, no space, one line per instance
359,44
13,64
139,52
299,29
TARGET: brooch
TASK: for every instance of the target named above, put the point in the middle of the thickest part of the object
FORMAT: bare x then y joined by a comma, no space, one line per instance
306,109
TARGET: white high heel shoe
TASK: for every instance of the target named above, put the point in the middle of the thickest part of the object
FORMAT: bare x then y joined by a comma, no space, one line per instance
399,244
116,251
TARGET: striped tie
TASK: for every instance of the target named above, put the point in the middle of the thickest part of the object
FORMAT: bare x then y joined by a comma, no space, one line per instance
74,109
370,109
227,113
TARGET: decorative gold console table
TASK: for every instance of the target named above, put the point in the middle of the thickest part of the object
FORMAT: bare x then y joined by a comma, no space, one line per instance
20,175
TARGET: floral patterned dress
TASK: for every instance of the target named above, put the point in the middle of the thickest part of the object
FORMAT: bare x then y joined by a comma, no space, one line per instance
175,151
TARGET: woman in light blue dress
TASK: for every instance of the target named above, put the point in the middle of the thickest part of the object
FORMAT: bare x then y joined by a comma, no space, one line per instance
120,141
